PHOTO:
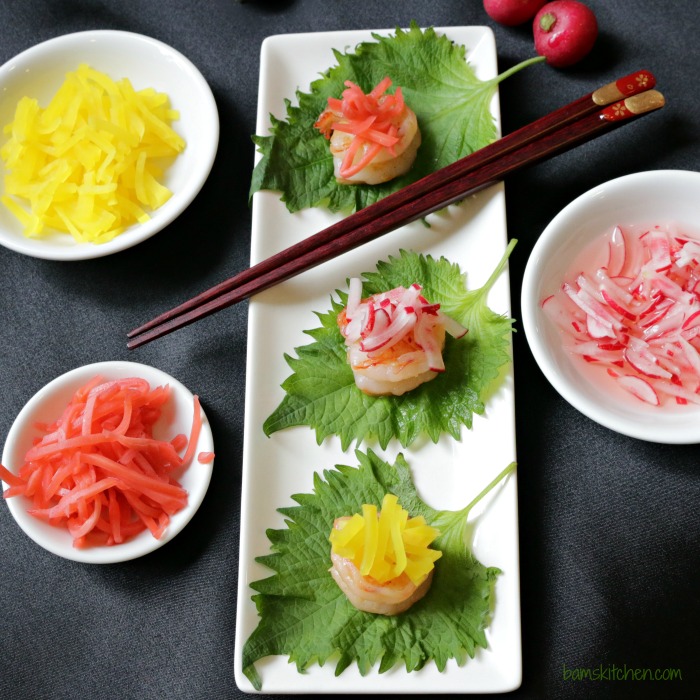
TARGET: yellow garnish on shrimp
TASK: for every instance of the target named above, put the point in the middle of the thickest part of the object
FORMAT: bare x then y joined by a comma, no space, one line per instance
382,560
89,163
374,137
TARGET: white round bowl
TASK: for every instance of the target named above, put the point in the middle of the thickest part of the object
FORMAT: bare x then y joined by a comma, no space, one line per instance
39,71
46,406
645,198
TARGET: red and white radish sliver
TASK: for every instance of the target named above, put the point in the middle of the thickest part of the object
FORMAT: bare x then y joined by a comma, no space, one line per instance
394,338
638,313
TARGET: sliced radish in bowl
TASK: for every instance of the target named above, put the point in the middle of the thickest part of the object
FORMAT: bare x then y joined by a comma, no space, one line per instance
612,290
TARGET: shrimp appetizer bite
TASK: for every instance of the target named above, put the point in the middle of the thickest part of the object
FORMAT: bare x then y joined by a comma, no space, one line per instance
394,339
403,591
374,137
425,109
382,560
368,374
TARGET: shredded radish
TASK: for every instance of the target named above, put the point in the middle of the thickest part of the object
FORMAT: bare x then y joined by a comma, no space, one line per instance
638,314
371,118
398,316
99,472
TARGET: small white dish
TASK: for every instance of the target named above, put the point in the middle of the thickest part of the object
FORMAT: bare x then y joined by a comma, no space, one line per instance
647,198
39,71
46,405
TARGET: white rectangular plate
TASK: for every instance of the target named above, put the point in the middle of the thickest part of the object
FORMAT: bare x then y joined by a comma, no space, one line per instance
447,474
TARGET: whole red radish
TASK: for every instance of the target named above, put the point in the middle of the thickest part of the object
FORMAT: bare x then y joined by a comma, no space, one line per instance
512,12
564,31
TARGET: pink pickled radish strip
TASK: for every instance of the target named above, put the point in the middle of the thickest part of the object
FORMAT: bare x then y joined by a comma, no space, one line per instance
381,88
80,529
115,517
179,442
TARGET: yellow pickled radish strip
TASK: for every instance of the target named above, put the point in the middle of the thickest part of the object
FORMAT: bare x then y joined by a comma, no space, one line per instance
342,539
369,513
397,527
417,537
29,221
385,544
385,517
89,163
419,567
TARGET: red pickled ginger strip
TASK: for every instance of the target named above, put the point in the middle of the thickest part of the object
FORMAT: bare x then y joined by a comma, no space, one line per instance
99,472
370,118
194,434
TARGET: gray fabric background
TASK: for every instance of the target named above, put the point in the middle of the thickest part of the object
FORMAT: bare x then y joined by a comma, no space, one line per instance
608,524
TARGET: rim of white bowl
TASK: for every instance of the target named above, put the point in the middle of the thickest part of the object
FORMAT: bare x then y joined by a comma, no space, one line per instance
181,199
666,431
196,478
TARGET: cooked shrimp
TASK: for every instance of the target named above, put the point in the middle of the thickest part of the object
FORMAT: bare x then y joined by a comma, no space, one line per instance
396,370
373,138
365,593
391,598
394,339
385,164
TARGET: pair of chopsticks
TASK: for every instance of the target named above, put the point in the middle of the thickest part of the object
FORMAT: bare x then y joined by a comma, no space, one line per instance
580,121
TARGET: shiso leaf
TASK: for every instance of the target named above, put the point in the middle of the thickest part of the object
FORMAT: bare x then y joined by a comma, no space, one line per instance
321,393
305,616
452,106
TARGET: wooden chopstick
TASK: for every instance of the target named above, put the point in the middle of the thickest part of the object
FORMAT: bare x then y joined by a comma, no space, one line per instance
569,126
629,85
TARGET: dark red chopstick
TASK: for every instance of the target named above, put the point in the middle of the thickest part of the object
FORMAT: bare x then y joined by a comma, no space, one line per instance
374,221
631,84
627,86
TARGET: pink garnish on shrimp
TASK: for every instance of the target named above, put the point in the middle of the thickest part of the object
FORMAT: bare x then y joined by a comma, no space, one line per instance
374,137
394,339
